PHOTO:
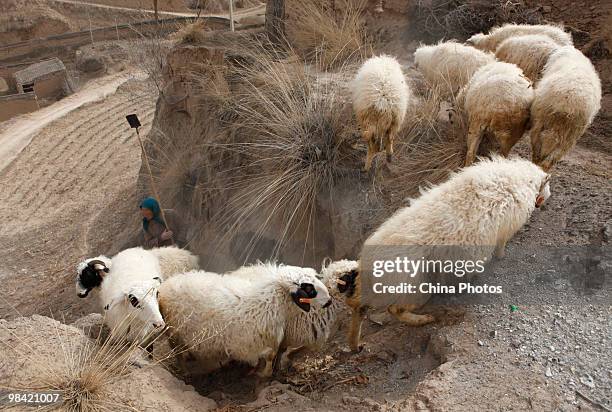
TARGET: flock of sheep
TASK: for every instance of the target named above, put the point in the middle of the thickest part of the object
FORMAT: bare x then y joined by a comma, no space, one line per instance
261,313
536,82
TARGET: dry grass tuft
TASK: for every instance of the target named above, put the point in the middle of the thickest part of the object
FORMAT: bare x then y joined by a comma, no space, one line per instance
190,33
329,33
291,132
88,369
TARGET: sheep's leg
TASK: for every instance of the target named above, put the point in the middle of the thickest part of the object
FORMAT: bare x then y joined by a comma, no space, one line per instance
355,330
177,346
473,142
403,313
389,147
500,249
371,152
268,356
285,358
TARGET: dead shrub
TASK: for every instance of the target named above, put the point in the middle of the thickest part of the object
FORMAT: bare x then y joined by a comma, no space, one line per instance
461,18
190,33
88,369
329,33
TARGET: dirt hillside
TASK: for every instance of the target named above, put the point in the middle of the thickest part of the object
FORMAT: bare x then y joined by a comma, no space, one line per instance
68,195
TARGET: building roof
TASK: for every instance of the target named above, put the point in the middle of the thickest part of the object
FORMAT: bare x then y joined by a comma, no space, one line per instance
38,70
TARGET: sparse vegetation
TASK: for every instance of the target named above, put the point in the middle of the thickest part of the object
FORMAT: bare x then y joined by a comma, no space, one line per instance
190,33
328,33
461,18
87,369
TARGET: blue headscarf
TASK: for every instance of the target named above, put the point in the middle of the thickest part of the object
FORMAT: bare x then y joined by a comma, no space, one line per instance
151,204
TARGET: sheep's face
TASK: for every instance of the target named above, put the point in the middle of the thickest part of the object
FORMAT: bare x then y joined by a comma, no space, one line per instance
421,56
546,150
90,274
340,277
544,192
308,290
476,39
142,301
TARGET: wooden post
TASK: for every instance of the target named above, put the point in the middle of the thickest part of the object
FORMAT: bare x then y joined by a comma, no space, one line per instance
275,21
231,14
155,9
146,158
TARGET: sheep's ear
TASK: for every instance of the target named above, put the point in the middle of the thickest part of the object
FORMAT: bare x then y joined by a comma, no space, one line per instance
158,279
346,283
98,265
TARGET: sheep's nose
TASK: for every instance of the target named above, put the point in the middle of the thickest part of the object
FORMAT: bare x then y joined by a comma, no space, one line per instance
329,302
158,325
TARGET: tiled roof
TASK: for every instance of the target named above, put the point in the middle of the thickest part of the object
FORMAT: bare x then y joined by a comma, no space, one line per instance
37,70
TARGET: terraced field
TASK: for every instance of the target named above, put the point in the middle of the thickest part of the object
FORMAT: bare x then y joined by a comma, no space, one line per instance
79,171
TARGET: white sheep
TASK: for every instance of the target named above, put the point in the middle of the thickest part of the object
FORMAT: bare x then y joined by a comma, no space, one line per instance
174,260
313,329
244,316
530,53
489,42
380,100
479,208
496,100
448,66
567,99
127,286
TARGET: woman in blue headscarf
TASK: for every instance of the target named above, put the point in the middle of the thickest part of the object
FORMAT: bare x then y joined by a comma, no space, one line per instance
155,232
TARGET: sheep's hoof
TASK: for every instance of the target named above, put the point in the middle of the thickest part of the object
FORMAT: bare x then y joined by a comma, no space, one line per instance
500,253
357,349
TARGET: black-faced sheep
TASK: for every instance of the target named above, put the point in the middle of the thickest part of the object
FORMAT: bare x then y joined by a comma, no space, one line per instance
244,316
127,285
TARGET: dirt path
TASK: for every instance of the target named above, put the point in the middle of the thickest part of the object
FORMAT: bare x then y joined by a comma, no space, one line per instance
67,194
237,13
17,133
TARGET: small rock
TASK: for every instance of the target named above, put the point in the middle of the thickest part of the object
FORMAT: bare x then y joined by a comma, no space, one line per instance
351,400
548,372
493,334
587,380
480,343
420,406
546,9
372,404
